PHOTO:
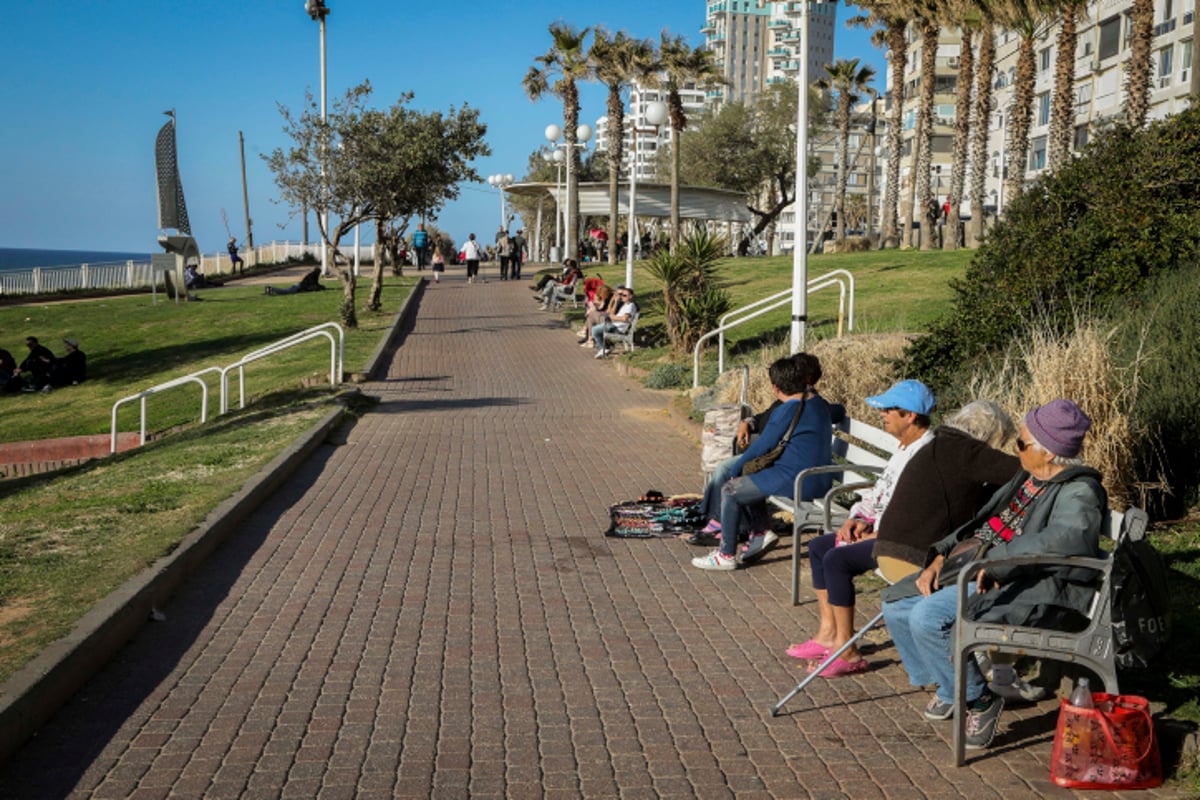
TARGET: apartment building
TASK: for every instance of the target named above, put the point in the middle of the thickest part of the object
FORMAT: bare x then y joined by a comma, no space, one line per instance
648,143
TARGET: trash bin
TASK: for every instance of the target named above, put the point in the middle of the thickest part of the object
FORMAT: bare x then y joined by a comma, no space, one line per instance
556,255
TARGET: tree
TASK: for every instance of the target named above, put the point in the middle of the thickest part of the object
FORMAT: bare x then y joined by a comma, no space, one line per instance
982,120
378,165
1025,18
966,15
683,65
927,24
848,80
617,61
557,73
890,23
1062,105
1139,69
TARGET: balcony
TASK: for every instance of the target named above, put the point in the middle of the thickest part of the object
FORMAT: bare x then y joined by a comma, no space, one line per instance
1164,27
715,94
779,52
794,8
779,23
717,8
789,66
709,27
777,79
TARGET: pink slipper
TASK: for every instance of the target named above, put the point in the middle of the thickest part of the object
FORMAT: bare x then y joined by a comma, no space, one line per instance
810,650
840,668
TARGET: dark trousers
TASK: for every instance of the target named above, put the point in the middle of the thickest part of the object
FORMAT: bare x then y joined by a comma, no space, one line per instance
504,268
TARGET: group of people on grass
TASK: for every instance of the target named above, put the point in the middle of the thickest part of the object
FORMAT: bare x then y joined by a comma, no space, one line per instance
946,490
607,310
41,370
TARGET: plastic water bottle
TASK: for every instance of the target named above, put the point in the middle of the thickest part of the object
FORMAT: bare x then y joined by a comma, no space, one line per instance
1081,697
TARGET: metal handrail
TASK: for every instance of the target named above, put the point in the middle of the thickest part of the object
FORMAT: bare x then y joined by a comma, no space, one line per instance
193,378
771,303
336,359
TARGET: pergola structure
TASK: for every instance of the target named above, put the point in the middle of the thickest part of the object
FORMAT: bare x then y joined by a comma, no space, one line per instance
653,200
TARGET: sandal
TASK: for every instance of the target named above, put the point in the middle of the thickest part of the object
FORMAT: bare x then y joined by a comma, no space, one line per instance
812,650
840,668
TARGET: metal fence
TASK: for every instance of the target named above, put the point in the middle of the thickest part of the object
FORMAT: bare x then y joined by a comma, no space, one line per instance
140,274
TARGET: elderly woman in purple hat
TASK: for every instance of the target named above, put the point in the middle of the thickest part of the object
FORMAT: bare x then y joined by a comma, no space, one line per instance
1053,506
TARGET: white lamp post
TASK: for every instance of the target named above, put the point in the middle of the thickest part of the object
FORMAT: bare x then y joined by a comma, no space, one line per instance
501,182
656,114
582,134
556,158
318,11
800,248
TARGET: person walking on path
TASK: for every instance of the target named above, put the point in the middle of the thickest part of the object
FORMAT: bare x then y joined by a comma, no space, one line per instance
439,261
420,243
516,258
503,251
473,254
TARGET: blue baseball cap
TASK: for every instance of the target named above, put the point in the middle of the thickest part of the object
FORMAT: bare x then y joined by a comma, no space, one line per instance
910,395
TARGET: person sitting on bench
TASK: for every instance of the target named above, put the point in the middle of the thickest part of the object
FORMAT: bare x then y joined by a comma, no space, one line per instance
942,486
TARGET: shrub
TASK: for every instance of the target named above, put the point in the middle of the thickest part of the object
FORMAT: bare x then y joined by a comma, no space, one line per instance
692,297
667,376
1165,341
1094,230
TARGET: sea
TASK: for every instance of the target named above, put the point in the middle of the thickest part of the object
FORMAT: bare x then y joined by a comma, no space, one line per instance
17,258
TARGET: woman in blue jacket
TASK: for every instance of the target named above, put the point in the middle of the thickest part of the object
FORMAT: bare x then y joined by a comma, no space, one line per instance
743,498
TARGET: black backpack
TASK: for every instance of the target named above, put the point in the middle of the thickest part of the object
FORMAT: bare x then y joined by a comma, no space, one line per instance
1141,597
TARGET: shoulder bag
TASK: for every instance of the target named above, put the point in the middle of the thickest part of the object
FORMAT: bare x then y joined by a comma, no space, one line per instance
768,459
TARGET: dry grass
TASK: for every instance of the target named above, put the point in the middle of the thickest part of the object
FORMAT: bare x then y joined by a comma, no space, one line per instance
1077,366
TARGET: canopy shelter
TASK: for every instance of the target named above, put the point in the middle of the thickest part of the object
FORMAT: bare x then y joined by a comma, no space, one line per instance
653,200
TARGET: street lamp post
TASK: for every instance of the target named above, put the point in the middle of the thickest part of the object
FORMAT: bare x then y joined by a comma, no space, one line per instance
582,134
319,11
799,248
556,157
656,115
500,182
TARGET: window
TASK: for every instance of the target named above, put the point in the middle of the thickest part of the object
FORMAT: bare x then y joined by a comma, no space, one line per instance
1164,66
1110,37
1044,60
1037,154
1185,61
1083,98
1043,109
1081,138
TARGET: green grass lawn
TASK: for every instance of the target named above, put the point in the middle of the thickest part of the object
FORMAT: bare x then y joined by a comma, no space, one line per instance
133,344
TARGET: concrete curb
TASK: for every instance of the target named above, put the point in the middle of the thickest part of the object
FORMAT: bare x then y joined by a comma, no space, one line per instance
29,698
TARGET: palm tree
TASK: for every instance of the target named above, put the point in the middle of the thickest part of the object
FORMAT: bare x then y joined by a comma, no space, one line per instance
984,102
1062,106
618,61
1027,19
890,21
849,80
557,73
682,65
966,15
1139,69
927,24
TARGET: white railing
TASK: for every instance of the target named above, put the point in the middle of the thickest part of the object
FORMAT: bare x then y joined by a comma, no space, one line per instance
844,281
193,378
337,348
336,363
139,274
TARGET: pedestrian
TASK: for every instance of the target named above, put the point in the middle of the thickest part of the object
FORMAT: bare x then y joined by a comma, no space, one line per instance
472,254
236,264
420,243
517,254
503,251
439,261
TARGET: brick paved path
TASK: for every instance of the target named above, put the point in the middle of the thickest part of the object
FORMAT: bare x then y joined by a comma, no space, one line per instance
430,609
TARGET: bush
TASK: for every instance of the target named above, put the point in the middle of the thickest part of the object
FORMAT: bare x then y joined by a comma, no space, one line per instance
1093,231
667,376
1165,336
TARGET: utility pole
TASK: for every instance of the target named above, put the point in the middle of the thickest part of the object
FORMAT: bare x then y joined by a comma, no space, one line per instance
245,195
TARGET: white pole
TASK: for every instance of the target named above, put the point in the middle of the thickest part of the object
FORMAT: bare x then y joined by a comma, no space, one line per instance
356,251
558,209
630,229
799,245
325,213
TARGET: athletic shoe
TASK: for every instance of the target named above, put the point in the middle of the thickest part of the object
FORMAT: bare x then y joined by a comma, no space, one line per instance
758,546
938,710
702,539
716,561
982,721
601,354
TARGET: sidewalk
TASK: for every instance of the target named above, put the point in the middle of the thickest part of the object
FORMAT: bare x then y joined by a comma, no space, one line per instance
430,609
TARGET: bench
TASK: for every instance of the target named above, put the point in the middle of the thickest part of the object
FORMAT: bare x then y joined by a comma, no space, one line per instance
856,463
625,338
1091,647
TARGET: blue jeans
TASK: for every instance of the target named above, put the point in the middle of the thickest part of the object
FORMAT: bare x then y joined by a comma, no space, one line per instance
739,496
601,329
922,629
710,506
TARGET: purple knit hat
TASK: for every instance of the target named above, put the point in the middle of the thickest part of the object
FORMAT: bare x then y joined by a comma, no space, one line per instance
1059,426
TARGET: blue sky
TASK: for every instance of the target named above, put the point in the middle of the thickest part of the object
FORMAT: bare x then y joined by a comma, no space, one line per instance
85,84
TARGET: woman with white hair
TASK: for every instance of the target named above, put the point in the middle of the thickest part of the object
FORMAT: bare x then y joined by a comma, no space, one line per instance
941,487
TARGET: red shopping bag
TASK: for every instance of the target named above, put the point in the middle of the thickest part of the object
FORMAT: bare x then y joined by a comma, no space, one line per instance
1110,746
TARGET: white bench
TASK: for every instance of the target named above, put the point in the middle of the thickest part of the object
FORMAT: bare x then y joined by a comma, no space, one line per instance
857,466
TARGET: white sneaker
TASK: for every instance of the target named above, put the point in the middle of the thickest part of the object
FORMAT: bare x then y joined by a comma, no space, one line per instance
601,354
542,307
716,561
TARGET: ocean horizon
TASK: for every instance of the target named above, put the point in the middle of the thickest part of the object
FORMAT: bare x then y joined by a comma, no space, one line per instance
19,258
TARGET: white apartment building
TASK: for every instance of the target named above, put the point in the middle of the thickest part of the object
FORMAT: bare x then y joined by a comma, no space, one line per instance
648,144
756,43
1104,36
